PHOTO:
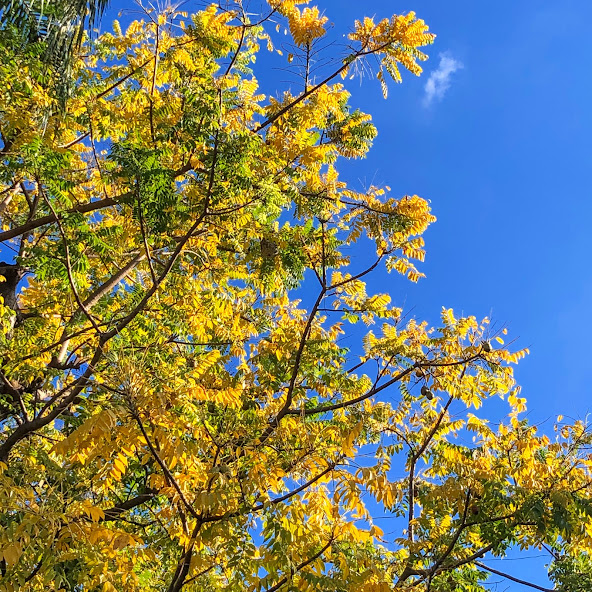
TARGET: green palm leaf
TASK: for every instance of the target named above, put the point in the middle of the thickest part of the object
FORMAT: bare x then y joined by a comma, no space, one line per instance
59,24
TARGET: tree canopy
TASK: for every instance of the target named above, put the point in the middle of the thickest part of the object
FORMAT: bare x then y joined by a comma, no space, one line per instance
178,407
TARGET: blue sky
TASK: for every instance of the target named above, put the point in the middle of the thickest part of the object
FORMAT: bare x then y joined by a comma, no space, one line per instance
504,156
501,147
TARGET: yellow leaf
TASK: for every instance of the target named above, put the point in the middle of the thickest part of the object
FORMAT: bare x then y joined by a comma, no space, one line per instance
11,554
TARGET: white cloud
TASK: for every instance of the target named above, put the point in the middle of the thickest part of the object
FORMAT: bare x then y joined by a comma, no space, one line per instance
439,81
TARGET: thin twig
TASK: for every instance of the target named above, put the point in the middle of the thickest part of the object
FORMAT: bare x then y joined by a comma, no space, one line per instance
512,578
68,265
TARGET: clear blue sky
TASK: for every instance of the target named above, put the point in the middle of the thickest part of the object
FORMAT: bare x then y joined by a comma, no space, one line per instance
504,156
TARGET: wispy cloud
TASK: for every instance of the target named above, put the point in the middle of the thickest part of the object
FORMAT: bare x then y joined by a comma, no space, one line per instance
439,81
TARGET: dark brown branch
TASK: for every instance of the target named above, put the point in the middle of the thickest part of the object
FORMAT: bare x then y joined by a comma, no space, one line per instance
50,218
41,421
89,303
286,407
85,208
305,94
68,264
34,572
296,491
182,570
414,458
60,341
153,85
277,500
359,275
203,572
422,448
145,240
167,473
238,49
411,498
490,520
347,62
16,395
115,512
459,530
375,390
471,558
122,80
171,261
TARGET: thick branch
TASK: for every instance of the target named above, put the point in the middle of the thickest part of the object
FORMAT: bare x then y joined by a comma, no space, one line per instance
182,570
92,206
78,385
106,287
50,218
41,421
115,512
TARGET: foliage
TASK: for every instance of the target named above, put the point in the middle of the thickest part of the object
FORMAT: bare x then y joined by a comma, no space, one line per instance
57,25
179,408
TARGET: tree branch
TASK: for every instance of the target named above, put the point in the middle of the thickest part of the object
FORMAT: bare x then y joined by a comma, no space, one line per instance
161,463
171,261
50,218
68,265
115,512
375,390
286,407
300,567
296,491
512,578
182,570
459,530
41,421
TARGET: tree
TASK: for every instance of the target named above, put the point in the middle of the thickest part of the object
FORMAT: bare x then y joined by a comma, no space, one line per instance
177,409
57,25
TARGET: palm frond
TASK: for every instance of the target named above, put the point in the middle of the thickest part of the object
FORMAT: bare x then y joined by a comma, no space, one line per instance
59,24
